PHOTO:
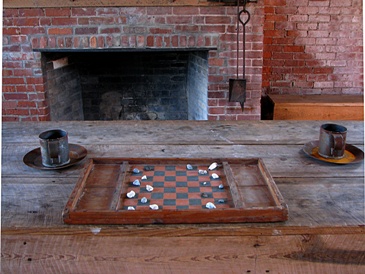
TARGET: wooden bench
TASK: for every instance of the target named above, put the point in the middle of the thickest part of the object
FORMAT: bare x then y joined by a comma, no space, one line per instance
317,107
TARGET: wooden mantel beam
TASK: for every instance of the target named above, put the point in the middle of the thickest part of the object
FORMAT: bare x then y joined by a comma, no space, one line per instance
110,3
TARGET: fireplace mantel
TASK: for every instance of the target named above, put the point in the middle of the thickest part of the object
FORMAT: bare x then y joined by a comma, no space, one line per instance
112,3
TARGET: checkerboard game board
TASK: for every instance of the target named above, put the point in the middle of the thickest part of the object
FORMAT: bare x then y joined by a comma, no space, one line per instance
176,187
242,190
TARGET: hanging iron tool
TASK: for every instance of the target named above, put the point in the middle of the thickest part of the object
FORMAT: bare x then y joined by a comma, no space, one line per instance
237,87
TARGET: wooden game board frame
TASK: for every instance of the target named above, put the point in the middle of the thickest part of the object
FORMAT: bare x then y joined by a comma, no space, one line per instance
256,197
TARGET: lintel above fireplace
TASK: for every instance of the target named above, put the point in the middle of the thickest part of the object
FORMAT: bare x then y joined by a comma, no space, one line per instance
114,3
146,49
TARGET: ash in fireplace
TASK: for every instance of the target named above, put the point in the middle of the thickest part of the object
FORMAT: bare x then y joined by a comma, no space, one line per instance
114,107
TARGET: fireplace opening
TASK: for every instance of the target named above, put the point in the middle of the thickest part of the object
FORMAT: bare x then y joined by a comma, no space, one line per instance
127,85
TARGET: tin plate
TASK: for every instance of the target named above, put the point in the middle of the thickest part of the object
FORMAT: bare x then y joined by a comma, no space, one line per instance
352,154
34,159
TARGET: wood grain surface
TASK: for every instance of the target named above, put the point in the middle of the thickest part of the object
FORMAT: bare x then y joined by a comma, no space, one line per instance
110,3
318,107
325,232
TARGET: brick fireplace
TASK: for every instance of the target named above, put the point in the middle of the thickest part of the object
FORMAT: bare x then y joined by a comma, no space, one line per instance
48,36
292,47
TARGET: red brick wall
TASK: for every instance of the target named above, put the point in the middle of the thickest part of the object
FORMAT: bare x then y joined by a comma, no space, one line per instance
310,46
313,47
24,96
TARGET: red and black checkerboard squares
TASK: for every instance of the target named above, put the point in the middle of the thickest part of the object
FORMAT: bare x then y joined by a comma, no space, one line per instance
176,188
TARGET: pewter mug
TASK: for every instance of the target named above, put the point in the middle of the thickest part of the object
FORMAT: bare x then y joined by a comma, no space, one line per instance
332,141
54,148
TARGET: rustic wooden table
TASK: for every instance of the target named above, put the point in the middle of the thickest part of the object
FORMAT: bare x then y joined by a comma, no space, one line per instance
324,233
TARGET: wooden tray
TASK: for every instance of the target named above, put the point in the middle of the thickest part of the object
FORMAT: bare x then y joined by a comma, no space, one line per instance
244,192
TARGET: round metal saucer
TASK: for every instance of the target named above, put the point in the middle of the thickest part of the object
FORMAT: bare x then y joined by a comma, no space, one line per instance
352,154
34,158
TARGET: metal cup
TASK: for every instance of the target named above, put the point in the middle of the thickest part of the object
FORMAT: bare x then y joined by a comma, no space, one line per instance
332,141
54,148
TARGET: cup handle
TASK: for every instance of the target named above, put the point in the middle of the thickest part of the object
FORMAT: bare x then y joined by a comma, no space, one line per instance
337,142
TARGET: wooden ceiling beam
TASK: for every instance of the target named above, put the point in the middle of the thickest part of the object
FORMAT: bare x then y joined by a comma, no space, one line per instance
110,3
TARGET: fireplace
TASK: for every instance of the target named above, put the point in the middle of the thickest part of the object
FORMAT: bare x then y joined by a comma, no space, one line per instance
127,84
62,59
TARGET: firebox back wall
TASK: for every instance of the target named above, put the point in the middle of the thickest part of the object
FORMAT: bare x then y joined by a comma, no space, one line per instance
120,85
134,85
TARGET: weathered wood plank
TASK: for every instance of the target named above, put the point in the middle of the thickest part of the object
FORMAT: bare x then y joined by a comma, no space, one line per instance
180,132
252,254
189,230
108,3
312,202
282,161
328,201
